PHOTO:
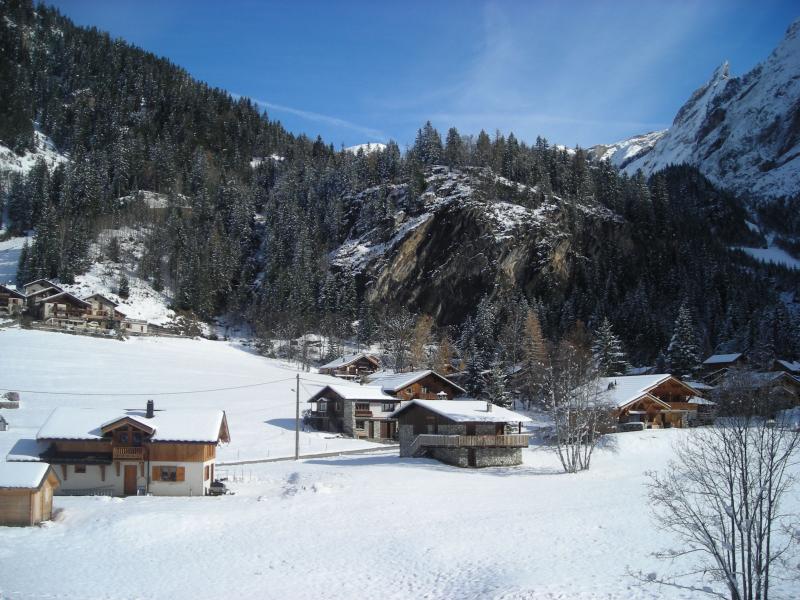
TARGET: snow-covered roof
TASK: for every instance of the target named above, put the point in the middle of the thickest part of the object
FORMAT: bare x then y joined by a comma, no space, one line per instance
466,411
22,475
11,290
793,366
103,298
48,291
393,382
65,295
47,281
720,359
621,391
699,385
348,359
172,425
355,392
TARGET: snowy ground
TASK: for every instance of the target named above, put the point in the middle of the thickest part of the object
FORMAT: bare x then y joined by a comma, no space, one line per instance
9,258
345,527
261,418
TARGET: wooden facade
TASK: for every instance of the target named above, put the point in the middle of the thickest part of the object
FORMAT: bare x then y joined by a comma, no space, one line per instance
432,386
24,506
11,301
359,366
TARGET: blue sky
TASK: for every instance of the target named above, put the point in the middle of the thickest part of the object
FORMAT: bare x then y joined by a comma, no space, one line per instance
575,72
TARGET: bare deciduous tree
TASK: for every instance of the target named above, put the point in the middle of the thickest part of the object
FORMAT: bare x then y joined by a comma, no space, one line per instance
577,405
398,332
723,496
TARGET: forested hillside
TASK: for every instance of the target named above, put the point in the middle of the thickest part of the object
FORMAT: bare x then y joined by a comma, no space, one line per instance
477,232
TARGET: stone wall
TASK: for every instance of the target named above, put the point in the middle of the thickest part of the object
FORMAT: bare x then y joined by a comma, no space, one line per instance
405,434
498,457
348,418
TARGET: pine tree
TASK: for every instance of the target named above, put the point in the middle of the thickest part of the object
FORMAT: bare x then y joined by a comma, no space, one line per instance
496,389
124,289
683,355
607,351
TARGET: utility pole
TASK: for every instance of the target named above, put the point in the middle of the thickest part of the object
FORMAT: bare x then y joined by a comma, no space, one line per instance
297,419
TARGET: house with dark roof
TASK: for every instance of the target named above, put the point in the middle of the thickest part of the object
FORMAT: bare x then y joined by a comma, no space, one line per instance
352,366
106,451
360,411
464,433
11,301
423,385
34,287
716,366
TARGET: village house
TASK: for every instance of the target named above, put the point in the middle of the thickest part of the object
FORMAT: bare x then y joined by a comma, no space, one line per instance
63,310
136,326
716,365
128,452
778,388
792,367
657,401
360,411
11,301
352,366
26,493
34,299
103,313
34,287
464,433
423,385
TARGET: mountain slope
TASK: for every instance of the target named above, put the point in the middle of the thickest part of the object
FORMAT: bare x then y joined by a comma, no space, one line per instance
743,133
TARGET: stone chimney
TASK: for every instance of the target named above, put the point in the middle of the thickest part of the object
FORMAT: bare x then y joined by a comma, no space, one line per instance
150,409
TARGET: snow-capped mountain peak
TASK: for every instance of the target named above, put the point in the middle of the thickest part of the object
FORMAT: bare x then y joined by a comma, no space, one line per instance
743,132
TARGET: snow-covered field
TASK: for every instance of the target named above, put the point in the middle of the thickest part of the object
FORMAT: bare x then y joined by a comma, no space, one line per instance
9,258
367,526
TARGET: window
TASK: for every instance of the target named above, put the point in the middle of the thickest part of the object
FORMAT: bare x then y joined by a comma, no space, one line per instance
168,473
322,406
137,438
423,389
388,406
360,424
123,437
80,468
362,406
206,473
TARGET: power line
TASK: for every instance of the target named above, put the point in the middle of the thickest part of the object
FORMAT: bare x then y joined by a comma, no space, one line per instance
222,389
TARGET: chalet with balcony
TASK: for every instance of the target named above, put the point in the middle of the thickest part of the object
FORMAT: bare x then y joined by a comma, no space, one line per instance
792,367
657,401
103,312
464,433
63,310
423,385
128,452
352,366
26,493
11,301
360,411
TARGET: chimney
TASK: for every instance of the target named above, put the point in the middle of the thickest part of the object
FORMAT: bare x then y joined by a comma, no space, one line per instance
488,406
150,409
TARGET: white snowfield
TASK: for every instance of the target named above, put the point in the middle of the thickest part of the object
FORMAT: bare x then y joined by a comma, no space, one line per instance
369,526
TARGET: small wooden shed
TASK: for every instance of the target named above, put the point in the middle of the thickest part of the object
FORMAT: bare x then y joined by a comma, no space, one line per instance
26,492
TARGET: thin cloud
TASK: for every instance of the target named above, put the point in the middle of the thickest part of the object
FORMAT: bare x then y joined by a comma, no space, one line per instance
308,115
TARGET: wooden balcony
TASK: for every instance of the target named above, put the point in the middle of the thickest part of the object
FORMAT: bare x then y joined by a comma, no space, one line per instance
432,440
128,453
363,413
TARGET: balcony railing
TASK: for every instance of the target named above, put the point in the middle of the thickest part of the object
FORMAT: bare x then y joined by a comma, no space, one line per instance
363,413
128,453
432,440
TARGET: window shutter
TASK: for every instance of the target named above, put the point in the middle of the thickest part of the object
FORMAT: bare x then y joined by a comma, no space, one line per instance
156,474
181,474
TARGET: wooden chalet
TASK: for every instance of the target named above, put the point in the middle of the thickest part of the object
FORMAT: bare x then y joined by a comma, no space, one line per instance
792,367
63,309
464,433
352,366
120,453
360,411
658,401
422,385
11,301
103,312
34,287
26,492
716,365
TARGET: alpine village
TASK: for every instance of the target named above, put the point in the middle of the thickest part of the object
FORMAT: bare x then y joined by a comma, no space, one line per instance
465,364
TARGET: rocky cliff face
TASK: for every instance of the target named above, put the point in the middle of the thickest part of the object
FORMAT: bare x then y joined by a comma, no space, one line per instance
469,233
743,133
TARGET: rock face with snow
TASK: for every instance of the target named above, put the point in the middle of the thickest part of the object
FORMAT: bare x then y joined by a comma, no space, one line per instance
743,133
470,233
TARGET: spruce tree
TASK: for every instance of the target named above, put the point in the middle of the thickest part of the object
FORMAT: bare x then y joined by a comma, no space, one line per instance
607,351
496,388
683,356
